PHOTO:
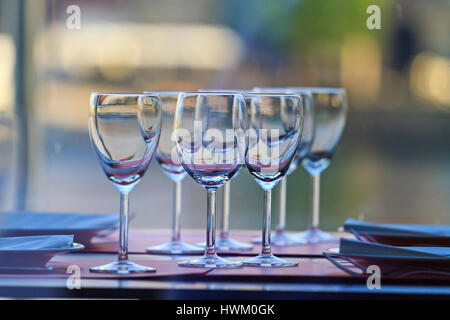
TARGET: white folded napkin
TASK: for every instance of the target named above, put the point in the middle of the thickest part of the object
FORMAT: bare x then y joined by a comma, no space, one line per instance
36,243
56,221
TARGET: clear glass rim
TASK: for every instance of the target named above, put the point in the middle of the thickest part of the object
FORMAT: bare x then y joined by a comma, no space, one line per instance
211,93
300,88
224,90
271,94
320,89
120,94
288,90
163,92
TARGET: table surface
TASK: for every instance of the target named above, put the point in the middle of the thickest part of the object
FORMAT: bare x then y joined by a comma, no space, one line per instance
315,278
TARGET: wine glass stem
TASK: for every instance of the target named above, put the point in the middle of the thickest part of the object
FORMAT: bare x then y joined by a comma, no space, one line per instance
266,223
316,201
176,223
282,205
225,211
123,228
211,223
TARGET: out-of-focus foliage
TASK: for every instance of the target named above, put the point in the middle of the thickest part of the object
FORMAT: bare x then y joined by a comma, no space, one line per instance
334,20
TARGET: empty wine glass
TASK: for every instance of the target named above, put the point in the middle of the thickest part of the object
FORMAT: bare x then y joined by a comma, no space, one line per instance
124,154
280,237
167,158
224,242
275,126
210,140
330,109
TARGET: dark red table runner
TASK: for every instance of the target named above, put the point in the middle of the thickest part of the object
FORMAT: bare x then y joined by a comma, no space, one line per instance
170,268
60,264
140,239
305,268
167,268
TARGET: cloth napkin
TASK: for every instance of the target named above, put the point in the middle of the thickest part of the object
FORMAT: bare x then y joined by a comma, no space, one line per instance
36,243
349,247
56,221
412,230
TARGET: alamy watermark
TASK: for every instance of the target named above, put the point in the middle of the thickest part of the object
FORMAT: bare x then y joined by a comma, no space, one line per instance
73,21
374,20
74,280
374,280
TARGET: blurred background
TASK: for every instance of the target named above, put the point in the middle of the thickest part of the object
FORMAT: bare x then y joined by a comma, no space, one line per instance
393,161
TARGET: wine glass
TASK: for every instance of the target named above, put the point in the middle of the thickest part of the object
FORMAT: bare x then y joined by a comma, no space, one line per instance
280,237
210,142
275,127
124,154
330,109
167,159
224,242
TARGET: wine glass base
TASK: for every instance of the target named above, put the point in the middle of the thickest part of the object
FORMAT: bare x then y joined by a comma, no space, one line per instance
175,247
122,267
281,239
210,261
314,235
268,260
227,244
